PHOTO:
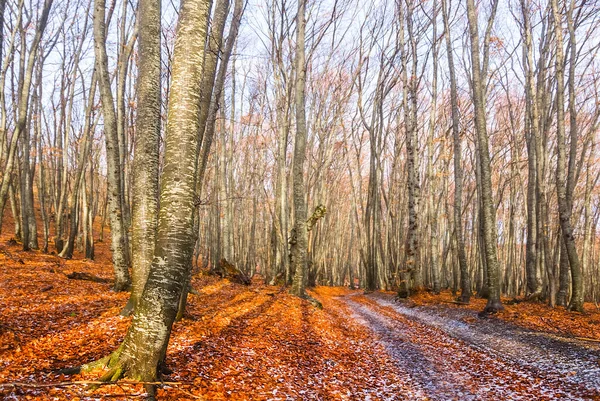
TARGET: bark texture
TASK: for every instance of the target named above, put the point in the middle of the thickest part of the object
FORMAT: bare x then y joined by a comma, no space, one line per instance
299,246
563,190
488,215
119,242
145,345
145,161
465,279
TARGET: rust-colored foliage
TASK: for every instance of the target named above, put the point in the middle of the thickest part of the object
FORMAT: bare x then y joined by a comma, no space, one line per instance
238,342
531,315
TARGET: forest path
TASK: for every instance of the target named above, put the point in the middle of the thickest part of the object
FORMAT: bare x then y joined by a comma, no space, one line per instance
452,354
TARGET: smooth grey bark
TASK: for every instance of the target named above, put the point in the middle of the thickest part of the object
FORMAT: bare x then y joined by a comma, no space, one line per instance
26,171
299,241
372,209
88,214
126,46
28,220
563,189
490,235
41,176
146,156
433,208
144,348
577,289
534,284
283,91
465,279
119,242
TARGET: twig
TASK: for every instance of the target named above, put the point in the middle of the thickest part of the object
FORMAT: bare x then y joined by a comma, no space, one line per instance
456,302
83,382
588,339
190,394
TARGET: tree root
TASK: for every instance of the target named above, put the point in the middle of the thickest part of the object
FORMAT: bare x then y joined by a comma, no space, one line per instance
110,361
128,308
314,302
491,308
113,375
534,296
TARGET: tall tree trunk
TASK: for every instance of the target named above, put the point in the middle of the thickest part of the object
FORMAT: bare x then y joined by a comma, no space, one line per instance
577,293
465,279
146,157
412,147
490,235
119,245
299,246
534,285
205,142
23,104
433,208
563,190
144,348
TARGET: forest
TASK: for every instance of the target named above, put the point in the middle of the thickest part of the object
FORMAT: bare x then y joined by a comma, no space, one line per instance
299,199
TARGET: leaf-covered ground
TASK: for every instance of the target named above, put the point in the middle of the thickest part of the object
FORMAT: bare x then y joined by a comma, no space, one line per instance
259,343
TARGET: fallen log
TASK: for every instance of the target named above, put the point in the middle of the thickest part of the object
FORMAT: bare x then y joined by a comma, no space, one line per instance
457,302
87,277
231,272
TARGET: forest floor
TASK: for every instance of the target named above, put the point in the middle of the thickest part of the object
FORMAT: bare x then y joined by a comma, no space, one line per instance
259,343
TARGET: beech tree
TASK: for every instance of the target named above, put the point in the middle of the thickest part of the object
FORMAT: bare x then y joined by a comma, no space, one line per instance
465,280
299,238
119,240
490,236
447,152
142,353
146,158
564,185
21,126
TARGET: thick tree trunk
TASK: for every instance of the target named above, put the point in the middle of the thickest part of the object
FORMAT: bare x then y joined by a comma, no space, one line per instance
146,157
205,141
144,347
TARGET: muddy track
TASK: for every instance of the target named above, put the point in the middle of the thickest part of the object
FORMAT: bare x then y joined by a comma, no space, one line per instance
451,354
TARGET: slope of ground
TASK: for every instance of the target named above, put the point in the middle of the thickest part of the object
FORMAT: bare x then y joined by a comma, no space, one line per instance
259,343
238,342
532,315
454,355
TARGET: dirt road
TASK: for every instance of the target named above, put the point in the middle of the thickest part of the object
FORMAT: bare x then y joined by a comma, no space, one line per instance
452,354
